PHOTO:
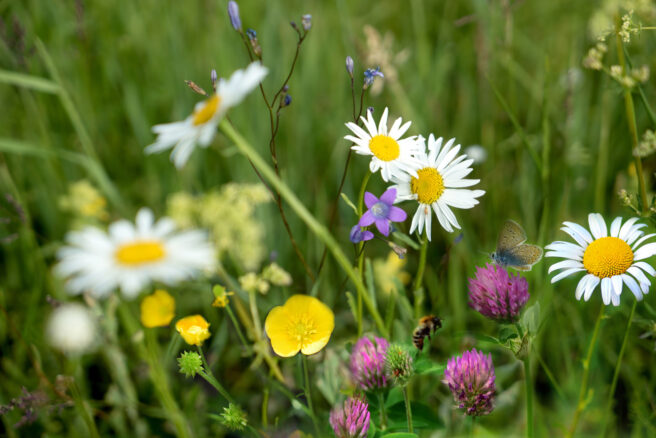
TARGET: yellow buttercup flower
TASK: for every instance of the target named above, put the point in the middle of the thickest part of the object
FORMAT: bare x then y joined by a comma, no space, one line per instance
303,324
221,296
157,309
193,329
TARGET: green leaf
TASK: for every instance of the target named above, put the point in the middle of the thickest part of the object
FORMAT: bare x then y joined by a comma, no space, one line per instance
427,366
28,81
531,319
506,333
400,435
405,239
350,299
423,417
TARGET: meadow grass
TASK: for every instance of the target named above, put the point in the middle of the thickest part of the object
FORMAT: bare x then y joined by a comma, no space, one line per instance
81,83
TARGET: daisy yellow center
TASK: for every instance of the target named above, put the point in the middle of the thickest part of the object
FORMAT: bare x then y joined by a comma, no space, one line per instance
301,329
139,253
384,147
428,186
207,111
607,256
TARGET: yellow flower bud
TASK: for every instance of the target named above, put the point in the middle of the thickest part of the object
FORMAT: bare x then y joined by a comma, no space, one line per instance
194,329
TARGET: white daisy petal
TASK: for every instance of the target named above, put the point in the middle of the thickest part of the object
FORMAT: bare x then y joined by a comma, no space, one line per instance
597,225
615,227
565,273
590,287
580,231
639,242
606,290
645,251
616,281
646,267
633,286
565,264
626,228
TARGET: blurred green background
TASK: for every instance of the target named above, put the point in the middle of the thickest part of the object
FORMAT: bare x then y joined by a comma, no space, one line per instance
461,69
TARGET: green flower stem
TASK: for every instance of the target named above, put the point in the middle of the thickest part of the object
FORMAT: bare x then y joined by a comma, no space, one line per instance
383,414
529,395
408,410
308,393
83,407
209,376
419,278
361,245
319,230
157,374
630,118
580,406
550,375
618,366
238,329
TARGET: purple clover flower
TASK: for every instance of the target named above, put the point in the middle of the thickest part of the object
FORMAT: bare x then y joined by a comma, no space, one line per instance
496,294
368,363
382,211
359,234
470,378
350,420
233,13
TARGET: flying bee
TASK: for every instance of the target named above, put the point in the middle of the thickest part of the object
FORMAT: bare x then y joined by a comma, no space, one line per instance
428,325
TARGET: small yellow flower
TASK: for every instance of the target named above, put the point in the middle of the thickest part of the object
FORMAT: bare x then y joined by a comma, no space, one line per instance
221,296
387,272
157,309
193,329
303,324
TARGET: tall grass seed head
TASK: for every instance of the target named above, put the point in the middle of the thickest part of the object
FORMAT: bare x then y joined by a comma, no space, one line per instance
252,282
399,366
470,377
367,363
190,363
352,419
496,294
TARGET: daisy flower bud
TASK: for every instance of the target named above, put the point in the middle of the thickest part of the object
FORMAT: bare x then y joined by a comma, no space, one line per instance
496,294
470,378
368,363
350,420
398,365
190,363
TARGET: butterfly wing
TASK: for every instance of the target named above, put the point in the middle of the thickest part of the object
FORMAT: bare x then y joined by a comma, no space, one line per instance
510,236
523,257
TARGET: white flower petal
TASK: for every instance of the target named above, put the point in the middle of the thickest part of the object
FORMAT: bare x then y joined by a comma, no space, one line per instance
606,290
565,273
565,264
615,227
633,286
597,225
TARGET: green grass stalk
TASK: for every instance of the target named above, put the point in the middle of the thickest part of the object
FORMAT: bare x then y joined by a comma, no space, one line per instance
583,390
616,373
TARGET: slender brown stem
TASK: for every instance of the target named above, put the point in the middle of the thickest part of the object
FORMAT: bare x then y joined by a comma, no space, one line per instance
272,142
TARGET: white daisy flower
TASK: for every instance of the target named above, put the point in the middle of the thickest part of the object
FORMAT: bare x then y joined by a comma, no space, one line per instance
610,259
200,126
130,256
436,183
389,153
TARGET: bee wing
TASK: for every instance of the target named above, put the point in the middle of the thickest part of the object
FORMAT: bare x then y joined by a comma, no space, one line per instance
523,257
510,236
